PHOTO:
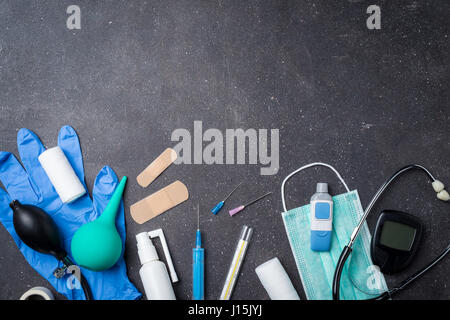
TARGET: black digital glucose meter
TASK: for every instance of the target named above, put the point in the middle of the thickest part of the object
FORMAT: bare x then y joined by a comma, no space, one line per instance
395,241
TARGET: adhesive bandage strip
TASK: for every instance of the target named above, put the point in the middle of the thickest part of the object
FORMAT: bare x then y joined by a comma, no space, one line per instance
155,168
159,202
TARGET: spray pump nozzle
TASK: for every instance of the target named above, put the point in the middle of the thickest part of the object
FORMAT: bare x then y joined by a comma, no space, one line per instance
147,251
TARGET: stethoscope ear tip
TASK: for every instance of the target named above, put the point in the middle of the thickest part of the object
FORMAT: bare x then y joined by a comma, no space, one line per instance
443,195
438,186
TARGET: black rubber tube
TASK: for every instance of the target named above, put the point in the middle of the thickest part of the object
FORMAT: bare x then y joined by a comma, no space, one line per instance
84,284
338,272
347,250
86,288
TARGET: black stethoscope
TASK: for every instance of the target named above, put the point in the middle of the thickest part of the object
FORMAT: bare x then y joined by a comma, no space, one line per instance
442,195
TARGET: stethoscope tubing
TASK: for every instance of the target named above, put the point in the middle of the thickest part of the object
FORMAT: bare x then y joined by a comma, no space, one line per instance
346,251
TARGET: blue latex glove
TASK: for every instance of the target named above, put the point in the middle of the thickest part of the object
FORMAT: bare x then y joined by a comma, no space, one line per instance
32,186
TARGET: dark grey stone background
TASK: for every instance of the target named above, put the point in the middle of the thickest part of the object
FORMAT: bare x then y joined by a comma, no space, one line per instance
365,101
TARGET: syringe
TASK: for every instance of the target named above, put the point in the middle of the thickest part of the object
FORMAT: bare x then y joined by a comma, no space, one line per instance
198,264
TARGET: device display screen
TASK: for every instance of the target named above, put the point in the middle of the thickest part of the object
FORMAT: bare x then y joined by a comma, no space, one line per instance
397,235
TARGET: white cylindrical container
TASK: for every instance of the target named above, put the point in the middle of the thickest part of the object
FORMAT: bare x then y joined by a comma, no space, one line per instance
276,281
154,275
38,293
61,174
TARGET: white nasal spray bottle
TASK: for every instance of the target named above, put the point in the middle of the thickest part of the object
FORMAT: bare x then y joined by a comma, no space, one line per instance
321,218
154,276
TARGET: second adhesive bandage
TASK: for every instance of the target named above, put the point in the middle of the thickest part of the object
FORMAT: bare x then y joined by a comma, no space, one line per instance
159,202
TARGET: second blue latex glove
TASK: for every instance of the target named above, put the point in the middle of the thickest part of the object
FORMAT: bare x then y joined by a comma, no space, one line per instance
30,185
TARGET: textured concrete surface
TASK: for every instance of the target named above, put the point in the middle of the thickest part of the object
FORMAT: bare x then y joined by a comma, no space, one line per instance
365,101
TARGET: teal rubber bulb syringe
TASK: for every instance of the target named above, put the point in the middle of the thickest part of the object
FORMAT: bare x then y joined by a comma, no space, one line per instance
198,265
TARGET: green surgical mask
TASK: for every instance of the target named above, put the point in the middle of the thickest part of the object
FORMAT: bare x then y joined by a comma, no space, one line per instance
316,269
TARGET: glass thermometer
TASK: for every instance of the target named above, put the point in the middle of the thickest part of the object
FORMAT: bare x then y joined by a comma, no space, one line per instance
235,266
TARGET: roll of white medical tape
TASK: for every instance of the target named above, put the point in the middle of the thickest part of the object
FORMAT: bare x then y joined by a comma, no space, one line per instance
38,292
276,281
61,174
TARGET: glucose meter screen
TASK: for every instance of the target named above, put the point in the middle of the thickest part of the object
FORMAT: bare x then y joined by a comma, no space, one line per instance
397,235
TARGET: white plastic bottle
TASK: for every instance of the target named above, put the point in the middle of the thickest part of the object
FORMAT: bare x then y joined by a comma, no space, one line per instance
154,275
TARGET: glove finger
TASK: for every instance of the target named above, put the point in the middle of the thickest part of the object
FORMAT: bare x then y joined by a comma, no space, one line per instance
6,217
6,213
30,147
15,179
68,141
104,186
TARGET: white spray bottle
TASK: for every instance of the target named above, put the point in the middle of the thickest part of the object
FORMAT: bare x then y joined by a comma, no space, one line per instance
154,276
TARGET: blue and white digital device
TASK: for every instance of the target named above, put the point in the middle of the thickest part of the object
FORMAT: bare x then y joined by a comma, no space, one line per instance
321,218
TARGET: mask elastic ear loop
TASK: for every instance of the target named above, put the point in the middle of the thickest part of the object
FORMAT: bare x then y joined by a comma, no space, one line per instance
306,167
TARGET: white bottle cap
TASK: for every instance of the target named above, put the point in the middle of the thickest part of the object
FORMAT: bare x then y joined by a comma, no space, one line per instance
322,187
146,249
276,281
